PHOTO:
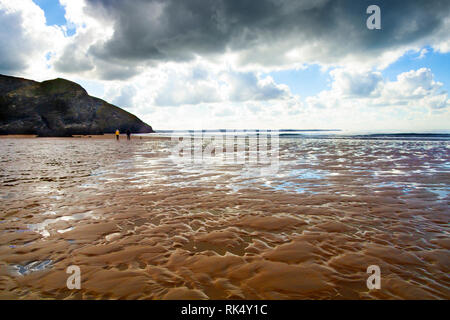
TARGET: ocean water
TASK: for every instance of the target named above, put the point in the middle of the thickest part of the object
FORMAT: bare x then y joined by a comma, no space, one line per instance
309,134
142,224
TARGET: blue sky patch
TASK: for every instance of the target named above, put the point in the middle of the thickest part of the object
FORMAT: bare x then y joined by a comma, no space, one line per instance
54,14
304,82
439,64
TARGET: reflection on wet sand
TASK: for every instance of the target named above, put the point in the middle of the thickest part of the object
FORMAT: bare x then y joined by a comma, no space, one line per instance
141,226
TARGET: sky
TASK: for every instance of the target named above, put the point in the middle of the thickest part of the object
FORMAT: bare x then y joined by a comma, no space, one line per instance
236,64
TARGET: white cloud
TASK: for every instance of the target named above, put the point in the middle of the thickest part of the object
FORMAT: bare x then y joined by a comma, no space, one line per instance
248,86
176,84
187,84
26,41
413,85
352,83
404,103
204,95
415,88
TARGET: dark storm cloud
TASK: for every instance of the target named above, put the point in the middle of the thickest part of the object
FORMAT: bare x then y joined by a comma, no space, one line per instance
178,30
73,61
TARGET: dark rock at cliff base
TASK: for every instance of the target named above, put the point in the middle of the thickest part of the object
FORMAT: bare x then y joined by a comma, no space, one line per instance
59,108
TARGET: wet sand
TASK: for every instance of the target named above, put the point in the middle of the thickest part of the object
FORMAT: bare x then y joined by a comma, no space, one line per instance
141,226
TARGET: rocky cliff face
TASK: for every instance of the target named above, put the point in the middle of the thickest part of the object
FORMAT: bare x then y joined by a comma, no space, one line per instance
59,108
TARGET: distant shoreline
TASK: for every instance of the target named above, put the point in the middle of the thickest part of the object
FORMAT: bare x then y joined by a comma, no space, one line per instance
108,136
167,135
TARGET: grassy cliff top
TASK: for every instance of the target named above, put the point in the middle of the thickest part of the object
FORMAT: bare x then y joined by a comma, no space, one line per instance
59,85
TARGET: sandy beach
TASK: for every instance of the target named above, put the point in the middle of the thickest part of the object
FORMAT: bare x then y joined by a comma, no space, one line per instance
141,226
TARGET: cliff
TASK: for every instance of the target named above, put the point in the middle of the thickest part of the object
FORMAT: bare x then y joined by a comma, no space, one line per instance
59,108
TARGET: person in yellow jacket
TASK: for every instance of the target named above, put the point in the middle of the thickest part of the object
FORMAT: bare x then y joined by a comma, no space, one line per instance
117,134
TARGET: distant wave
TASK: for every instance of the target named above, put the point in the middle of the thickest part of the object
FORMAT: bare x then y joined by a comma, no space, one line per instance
375,136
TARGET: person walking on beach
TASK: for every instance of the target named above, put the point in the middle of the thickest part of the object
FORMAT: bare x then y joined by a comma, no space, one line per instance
117,134
128,134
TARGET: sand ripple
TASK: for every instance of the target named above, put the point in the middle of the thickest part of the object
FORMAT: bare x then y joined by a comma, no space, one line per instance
143,227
